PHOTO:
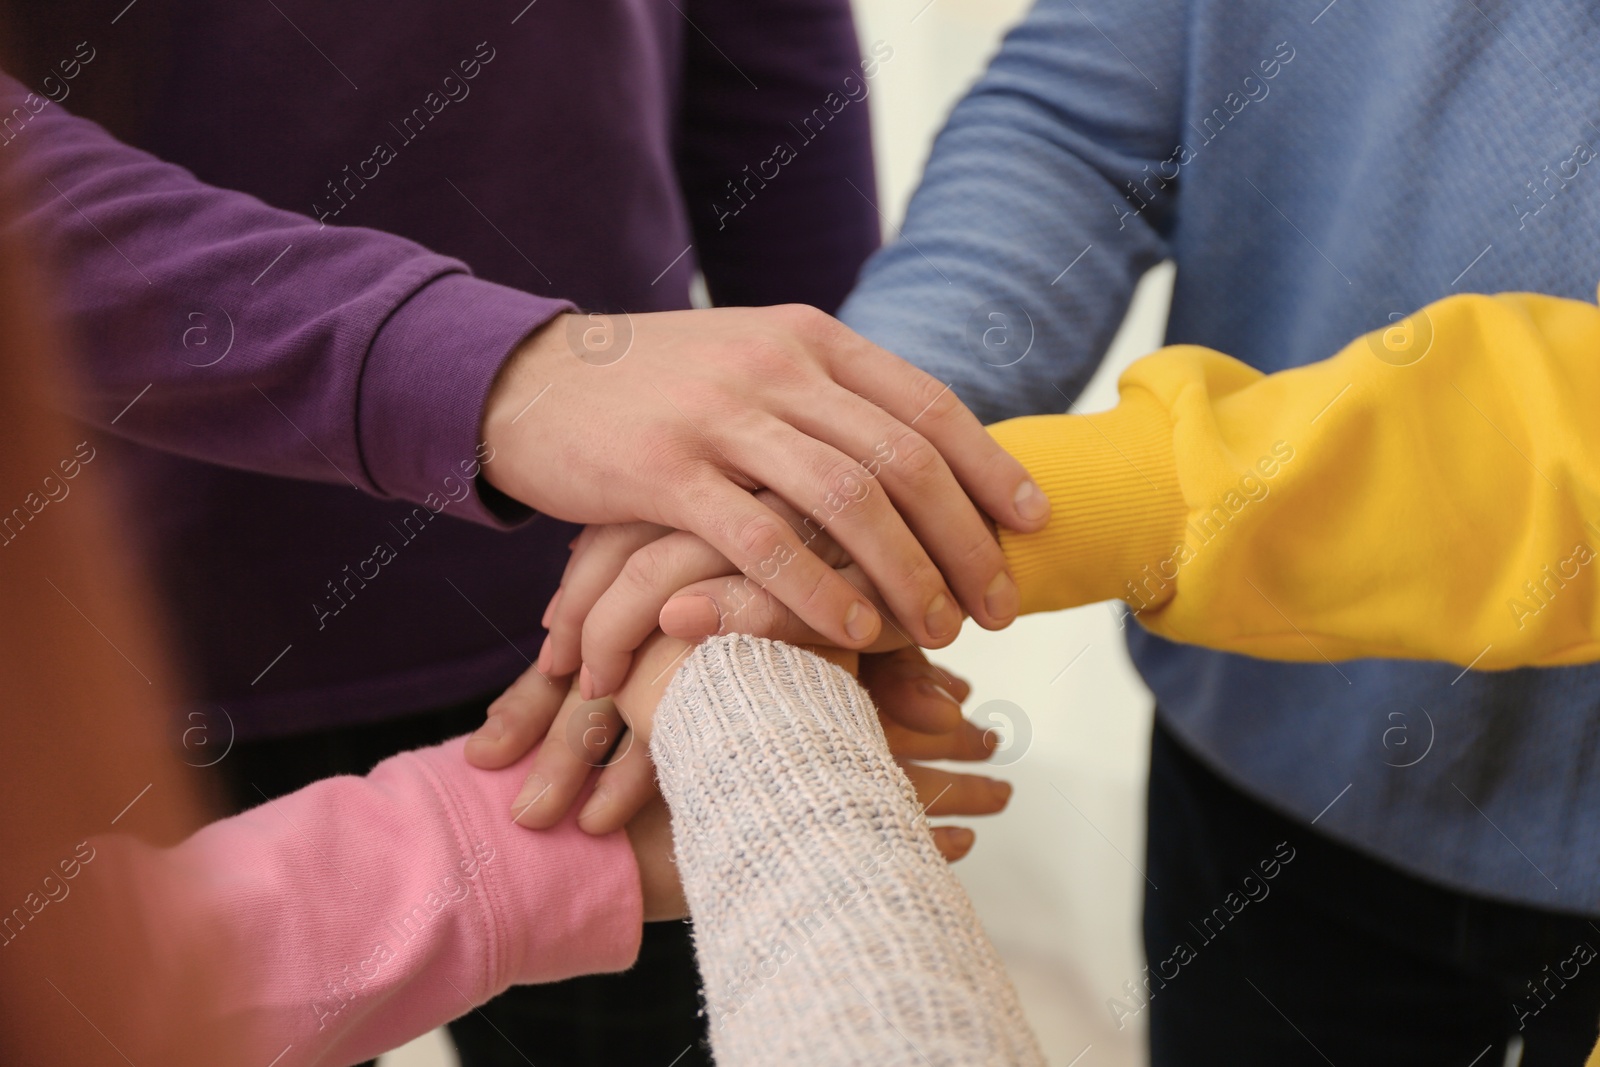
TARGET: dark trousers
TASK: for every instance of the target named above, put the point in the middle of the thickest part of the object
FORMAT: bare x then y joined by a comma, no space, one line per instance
1270,944
648,1016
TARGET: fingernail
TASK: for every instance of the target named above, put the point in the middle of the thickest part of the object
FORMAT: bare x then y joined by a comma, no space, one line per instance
1001,598
1001,791
942,618
532,790
542,663
549,610
594,805
1032,504
961,838
585,683
929,687
493,729
690,616
859,621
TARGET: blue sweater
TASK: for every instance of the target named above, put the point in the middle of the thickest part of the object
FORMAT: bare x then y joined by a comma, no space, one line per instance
1314,169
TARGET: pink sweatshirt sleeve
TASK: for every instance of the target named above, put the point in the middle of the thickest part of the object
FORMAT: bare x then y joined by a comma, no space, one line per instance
340,921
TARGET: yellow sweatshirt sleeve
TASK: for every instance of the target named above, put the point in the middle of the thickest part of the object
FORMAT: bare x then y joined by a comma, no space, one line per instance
1431,492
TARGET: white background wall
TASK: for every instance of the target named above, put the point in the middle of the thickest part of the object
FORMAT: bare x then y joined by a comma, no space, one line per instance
1056,878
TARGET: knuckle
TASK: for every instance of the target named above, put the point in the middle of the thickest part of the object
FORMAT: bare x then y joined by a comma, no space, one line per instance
814,593
814,330
763,615
695,505
734,601
758,538
915,459
595,637
934,400
844,482
918,572
645,572
981,555
567,616
565,624
803,319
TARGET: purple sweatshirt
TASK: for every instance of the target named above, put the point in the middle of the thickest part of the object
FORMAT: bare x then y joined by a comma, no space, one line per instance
293,295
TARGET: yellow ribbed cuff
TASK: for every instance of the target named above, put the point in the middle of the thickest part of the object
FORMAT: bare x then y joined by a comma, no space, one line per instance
1116,508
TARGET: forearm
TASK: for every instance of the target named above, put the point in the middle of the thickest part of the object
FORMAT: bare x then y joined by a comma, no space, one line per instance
357,913
828,928
1378,503
214,326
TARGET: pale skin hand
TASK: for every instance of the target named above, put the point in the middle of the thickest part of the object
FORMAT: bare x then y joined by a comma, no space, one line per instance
650,834
707,406
583,732
624,581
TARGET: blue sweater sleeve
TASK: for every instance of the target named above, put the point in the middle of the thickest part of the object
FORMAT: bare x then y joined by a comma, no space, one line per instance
1022,246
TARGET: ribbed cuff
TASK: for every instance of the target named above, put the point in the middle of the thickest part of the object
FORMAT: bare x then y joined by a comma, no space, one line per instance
424,386
1116,508
558,903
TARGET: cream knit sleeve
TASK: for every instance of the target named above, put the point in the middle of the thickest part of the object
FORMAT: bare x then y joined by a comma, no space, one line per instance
828,928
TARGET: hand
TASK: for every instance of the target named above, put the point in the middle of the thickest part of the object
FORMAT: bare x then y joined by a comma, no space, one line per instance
517,721
706,406
588,733
620,577
650,833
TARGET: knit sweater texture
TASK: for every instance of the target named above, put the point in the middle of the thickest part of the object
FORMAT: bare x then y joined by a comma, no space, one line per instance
828,928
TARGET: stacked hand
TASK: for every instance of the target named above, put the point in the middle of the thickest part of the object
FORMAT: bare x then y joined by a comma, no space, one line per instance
719,445
679,422
614,733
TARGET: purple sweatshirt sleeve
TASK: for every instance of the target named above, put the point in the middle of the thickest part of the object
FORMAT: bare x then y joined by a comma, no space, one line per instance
775,151
225,330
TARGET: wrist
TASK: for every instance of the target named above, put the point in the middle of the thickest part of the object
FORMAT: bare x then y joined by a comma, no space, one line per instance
660,889
424,386
508,410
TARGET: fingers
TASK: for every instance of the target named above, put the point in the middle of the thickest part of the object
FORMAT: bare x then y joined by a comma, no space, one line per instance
913,692
921,487
949,793
630,610
629,779
772,556
1000,485
738,605
968,742
628,782
598,556
518,719
626,785
953,842
734,605
840,495
583,733
626,613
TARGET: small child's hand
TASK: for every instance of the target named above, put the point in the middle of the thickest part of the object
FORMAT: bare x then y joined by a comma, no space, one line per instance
614,733
621,578
650,833
578,736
